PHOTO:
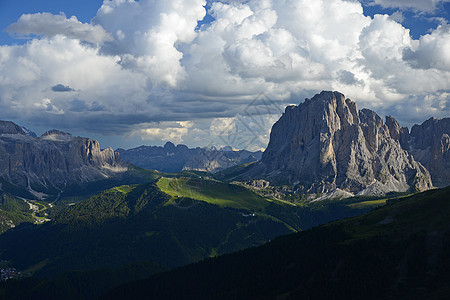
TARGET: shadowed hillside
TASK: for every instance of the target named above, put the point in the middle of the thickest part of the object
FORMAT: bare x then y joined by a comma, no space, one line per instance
397,251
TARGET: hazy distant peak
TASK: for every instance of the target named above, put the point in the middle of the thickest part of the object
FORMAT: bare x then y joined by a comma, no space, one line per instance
55,132
28,132
57,135
169,146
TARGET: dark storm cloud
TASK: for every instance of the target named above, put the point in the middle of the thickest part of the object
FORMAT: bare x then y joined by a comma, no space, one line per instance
348,78
98,123
417,109
78,105
62,88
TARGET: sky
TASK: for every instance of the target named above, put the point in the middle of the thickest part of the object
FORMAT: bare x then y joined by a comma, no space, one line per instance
220,73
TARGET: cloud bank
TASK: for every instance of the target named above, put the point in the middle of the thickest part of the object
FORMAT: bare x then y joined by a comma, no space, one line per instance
145,68
422,6
49,25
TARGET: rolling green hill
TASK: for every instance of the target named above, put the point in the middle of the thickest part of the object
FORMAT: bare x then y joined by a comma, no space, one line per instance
397,251
214,192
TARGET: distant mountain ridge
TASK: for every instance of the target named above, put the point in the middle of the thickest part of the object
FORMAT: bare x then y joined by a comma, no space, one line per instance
326,144
54,160
171,158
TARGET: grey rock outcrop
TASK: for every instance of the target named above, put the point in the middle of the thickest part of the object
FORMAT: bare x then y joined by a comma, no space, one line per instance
398,133
53,160
326,143
430,145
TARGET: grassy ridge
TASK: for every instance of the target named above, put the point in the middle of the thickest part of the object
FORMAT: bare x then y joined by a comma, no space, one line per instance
213,192
425,212
370,203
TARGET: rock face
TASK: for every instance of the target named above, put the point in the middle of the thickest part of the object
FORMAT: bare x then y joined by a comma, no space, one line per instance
326,143
430,145
53,160
171,158
7,127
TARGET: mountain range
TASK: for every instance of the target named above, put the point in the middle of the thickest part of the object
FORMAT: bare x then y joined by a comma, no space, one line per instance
323,146
77,220
53,161
171,158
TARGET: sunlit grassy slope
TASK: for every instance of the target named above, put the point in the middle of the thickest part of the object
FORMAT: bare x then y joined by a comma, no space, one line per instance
370,203
213,192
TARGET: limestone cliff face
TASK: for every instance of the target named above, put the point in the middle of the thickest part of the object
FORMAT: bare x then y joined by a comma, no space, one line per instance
326,143
53,160
430,145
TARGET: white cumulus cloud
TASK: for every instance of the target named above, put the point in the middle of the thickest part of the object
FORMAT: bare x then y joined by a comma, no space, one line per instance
148,32
432,51
49,25
164,131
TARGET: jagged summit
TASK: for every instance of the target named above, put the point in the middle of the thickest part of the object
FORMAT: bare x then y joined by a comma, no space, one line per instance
171,158
326,143
57,136
28,132
430,144
56,132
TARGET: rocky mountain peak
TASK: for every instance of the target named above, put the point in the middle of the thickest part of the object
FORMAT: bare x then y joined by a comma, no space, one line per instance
57,135
430,144
326,143
428,131
7,127
55,158
28,132
397,132
56,132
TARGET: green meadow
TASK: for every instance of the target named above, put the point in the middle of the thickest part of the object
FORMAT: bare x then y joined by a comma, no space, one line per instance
213,192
